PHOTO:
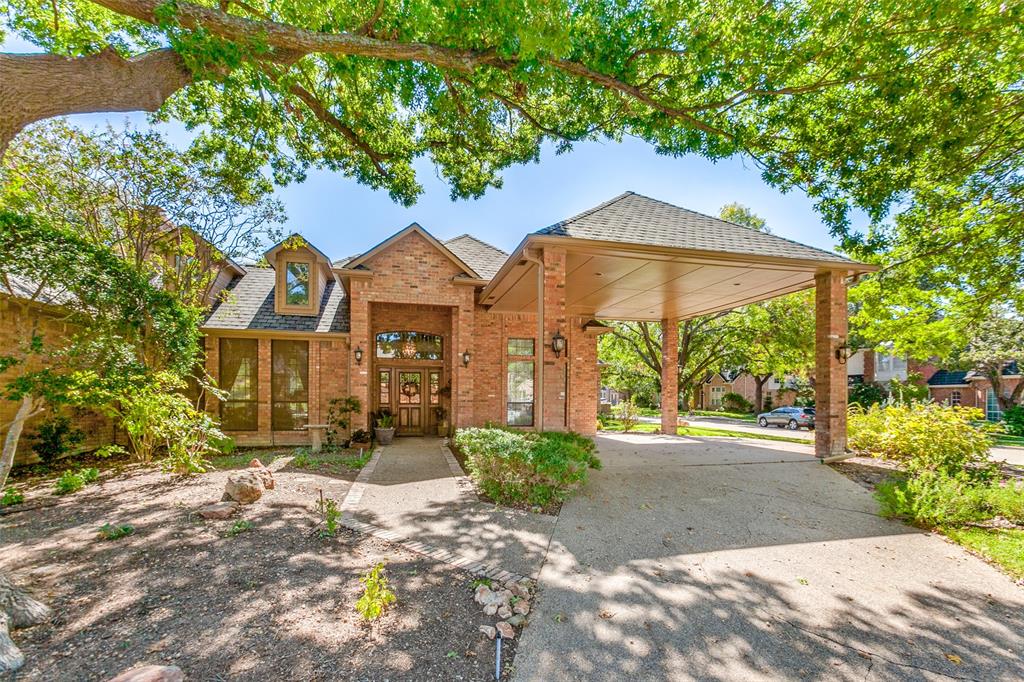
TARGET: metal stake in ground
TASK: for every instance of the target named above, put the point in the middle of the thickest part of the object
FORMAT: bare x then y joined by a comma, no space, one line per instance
497,657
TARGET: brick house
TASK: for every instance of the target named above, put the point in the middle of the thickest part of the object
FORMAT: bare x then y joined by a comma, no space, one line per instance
972,389
709,397
416,323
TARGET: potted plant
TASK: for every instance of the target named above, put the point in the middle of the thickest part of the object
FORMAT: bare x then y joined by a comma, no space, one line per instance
385,429
441,416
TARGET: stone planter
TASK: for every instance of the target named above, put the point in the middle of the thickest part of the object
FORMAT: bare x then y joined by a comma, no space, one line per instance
385,436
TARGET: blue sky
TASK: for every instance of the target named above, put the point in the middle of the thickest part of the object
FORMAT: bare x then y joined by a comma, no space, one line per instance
343,217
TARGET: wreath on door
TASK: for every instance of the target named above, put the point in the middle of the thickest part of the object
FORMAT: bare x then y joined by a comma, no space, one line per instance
410,389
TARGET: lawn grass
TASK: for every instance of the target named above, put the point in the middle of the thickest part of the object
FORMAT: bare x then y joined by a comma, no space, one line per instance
1006,439
731,415
1004,547
327,460
616,425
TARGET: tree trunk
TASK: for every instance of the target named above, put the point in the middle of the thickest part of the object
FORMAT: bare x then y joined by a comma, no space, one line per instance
759,382
34,87
25,410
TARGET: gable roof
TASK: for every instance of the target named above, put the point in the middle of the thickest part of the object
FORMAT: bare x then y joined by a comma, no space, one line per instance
249,305
947,377
632,218
358,261
294,236
485,259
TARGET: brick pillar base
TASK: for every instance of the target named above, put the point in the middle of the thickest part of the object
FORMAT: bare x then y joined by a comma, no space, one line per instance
669,376
555,322
830,384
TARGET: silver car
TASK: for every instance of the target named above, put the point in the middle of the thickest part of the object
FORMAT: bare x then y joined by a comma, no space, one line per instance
789,417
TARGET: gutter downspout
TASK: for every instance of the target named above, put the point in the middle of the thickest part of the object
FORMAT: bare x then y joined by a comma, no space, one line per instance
538,394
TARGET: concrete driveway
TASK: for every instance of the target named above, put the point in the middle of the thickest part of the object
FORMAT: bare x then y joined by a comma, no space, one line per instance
698,559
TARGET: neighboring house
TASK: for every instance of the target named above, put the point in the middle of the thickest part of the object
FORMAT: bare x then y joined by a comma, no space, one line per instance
415,323
713,389
971,389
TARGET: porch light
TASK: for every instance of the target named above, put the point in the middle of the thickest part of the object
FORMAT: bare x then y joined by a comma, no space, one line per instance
843,353
466,356
359,355
558,343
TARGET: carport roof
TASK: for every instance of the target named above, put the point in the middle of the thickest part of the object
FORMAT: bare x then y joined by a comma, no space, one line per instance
637,258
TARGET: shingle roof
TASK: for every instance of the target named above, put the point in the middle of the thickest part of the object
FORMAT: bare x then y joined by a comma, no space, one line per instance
632,218
485,259
946,377
250,305
23,287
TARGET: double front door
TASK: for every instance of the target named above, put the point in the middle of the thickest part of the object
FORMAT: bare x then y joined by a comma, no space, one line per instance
410,394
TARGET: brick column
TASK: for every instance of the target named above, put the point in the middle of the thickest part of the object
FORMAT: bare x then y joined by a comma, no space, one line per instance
555,321
584,378
669,376
359,337
830,383
264,420
462,399
314,383
869,366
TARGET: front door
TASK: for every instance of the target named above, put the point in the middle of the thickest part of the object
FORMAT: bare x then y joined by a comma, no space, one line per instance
411,417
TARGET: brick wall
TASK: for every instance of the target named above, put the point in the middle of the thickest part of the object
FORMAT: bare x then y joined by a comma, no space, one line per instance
17,319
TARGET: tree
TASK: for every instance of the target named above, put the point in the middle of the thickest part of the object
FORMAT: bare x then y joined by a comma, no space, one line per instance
780,340
156,207
123,331
843,102
706,345
741,215
997,341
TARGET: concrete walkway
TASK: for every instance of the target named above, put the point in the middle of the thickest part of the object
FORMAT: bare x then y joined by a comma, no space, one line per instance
701,559
414,491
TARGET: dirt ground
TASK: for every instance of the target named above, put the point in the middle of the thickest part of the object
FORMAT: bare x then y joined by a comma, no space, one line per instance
275,602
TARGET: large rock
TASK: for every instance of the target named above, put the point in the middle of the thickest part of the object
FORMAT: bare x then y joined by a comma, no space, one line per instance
263,472
505,630
151,673
219,510
11,658
244,487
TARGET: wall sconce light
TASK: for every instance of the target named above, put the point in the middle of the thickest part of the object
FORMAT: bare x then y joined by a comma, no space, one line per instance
843,353
359,355
558,343
466,358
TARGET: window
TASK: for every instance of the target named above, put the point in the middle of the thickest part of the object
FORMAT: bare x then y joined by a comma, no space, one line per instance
239,379
435,388
992,411
716,395
955,398
296,284
519,382
289,384
384,382
409,346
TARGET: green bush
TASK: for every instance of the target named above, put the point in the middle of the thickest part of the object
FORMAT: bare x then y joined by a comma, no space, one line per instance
54,438
1013,420
111,532
73,481
626,413
524,466
10,497
922,437
932,498
734,402
377,595
866,394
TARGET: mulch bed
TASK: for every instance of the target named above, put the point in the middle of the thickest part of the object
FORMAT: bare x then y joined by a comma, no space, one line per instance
275,602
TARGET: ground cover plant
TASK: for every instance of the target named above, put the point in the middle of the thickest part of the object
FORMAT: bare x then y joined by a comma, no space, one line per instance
519,467
945,480
377,596
71,481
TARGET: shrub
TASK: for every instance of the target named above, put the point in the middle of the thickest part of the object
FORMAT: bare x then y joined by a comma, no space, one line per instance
332,516
10,497
1013,420
238,527
627,414
734,402
109,532
73,481
933,498
526,467
866,394
913,390
377,597
922,437
339,417
55,438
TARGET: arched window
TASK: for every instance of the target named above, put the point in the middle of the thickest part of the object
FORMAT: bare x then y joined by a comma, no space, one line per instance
954,398
409,346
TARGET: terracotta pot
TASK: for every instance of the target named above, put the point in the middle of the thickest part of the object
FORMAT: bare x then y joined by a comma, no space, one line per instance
385,436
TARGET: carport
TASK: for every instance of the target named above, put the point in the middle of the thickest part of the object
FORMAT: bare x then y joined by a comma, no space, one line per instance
635,258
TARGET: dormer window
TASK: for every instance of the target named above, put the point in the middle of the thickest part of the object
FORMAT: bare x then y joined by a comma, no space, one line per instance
297,284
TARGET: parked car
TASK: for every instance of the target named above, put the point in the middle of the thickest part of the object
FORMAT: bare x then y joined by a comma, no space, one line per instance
790,417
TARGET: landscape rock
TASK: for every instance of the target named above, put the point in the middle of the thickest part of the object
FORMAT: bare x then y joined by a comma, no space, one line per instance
11,658
519,590
491,609
488,630
219,510
517,621
244,487
263,472
522,607
482,595
505,630
504,612
150,673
